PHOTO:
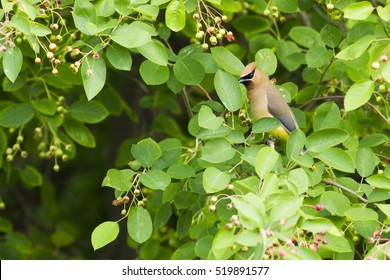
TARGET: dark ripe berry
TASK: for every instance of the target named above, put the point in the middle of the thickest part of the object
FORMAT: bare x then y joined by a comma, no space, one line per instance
324,241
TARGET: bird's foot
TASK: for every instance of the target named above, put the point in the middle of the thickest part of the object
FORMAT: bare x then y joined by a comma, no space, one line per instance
271,142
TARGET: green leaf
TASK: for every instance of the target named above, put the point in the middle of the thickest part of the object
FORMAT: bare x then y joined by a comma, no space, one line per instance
338,159
162,216
323,139
31,176
119,57
327,115
305,36
358,94
356,49
373,140
154,74
337,244
84,12
386,72
331,35
228,90
184,252
266,61
358,11
147,152
361,214
295,143
290,6
103,234
105,8
250,23
21,22
181,171
88,111
131,35
251,208
266,160
289,54
248,238
189,72
39,30
218,150
16,115
185,199
365,162
265,125
318,56
300,179
335,202
207,119
155,52
227,60
45,106
379,181
120,180
385,208
175,15
203,246
317,225
215,180
12,63
155,179
287,206
93,73
384,12
139,224
79,133
147,10
183,224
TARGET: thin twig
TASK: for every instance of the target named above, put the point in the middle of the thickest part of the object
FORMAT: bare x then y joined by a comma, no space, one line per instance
205,92
379,112
187,103
329,181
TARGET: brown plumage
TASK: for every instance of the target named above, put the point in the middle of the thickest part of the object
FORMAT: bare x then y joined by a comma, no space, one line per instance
266,100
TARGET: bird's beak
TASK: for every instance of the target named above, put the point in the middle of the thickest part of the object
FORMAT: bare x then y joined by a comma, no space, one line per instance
244,81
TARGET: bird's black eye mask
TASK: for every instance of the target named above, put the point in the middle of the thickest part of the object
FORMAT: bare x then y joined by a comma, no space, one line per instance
245,80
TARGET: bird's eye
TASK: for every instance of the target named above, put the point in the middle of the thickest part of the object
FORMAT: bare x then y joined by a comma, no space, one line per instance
250,75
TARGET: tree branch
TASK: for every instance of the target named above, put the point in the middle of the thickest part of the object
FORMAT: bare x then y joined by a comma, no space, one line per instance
379,112
329,181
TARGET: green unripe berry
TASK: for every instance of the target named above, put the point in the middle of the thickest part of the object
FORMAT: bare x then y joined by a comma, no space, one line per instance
56,168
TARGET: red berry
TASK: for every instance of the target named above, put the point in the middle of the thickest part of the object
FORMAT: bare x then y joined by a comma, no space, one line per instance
115,202
319,207
388,160
230,37
125,199
282,253
377,233
95,55
324,241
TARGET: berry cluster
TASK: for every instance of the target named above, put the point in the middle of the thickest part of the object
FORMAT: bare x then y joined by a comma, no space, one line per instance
138,197
209,28
16,148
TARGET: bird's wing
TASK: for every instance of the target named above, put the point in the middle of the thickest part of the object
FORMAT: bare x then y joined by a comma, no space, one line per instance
279,109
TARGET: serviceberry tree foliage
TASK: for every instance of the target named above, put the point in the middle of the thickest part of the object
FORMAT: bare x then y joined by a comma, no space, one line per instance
155,82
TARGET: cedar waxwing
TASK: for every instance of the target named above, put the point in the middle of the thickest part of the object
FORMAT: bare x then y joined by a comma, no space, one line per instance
266,101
